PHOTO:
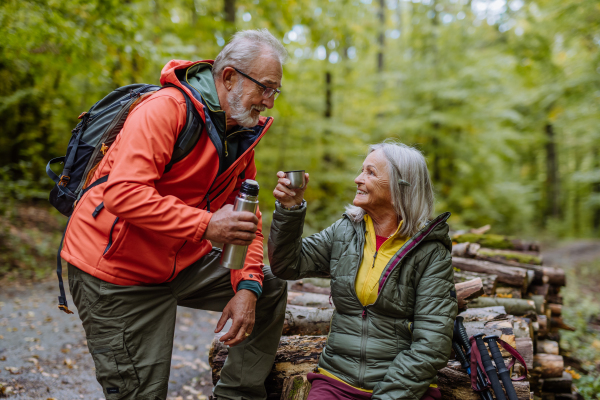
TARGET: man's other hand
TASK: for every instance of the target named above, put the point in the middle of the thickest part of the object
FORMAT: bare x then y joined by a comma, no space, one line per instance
233,227
241,311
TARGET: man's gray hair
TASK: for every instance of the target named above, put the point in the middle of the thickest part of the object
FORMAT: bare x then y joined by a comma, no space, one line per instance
414,203
245,47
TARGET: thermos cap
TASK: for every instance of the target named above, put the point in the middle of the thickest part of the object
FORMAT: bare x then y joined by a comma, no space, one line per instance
249,187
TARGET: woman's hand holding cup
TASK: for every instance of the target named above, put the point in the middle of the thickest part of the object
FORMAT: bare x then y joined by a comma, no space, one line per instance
286,193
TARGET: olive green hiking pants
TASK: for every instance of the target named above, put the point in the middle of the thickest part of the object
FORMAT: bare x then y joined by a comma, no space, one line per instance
130,329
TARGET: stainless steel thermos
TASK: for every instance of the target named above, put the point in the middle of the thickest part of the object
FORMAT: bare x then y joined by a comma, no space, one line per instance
246,200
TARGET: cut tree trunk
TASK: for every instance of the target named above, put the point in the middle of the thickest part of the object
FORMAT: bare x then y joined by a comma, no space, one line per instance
558,385
512,306
542,321
509,275
482,314
296,355
508,255
509,292
468,290
549,365
456,384
547,347
295,388
542,290
525,348
299,286
558,323
540,304
306,320
555,309
306,299
489,281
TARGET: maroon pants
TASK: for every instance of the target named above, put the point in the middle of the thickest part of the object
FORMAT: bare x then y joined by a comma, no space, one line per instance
325,388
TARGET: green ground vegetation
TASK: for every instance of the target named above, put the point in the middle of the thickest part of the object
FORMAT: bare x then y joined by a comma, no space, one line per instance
582,310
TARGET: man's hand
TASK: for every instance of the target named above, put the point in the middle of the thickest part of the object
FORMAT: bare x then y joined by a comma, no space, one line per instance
233,227
241,310
288,197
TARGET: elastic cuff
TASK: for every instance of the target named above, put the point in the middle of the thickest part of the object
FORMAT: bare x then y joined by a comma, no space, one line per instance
279,208
253,286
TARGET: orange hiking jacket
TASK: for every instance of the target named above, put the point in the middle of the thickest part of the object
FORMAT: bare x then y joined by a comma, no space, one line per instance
152,225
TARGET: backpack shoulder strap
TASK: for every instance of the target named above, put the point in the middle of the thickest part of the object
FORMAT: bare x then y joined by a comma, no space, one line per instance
190,133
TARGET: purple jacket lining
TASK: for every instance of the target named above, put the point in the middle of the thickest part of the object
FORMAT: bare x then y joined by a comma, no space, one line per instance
406,250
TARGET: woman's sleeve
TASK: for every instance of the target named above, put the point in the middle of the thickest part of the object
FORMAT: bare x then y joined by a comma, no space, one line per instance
292,257
415,369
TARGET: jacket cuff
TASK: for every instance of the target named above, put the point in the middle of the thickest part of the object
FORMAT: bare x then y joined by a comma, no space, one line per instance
301,210
253,286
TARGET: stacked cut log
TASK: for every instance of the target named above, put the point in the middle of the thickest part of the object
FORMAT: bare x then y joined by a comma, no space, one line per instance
497,293
530,292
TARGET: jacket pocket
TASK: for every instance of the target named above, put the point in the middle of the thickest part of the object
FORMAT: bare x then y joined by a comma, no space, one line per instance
114,368
115,239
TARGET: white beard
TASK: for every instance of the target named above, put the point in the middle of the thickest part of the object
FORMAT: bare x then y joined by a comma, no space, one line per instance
240,114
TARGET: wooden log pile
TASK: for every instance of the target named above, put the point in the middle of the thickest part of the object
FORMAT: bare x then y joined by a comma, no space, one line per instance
498,294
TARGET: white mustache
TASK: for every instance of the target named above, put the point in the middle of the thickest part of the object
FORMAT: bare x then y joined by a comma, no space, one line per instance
260,108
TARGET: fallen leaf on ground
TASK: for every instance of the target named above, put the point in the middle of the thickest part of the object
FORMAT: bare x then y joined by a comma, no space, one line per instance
13,370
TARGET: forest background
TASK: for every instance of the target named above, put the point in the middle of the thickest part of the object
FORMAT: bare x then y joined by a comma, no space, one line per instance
502,96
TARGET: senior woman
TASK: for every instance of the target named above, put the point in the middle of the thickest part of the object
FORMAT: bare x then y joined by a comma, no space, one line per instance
391,279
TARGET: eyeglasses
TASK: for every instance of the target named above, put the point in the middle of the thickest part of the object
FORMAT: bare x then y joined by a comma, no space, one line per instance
267,91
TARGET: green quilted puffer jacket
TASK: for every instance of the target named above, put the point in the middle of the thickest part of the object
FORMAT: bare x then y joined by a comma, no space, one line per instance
396,345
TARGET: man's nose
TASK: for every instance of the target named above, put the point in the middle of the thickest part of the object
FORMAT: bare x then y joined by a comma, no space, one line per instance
269,103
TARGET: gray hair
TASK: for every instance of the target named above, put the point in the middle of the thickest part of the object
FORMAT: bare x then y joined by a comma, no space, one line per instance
245,47
414,203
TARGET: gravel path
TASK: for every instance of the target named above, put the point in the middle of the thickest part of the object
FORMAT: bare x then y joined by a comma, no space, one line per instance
43,352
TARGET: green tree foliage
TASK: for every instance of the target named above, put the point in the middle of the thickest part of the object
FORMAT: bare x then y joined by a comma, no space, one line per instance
501,96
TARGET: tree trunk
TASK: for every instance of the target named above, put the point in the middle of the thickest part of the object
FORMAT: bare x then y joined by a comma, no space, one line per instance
525,348
509,275
558,323
552,178
555,309
229,10
468,290
328,94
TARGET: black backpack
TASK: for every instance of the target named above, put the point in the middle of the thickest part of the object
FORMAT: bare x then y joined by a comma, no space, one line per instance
90,140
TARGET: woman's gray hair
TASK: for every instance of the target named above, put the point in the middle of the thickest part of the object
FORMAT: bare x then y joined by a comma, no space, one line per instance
245,47
414,203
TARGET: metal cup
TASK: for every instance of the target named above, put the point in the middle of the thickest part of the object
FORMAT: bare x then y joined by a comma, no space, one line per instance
297,179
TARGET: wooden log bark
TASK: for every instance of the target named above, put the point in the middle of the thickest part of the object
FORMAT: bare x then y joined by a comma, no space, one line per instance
468,290
512,306
547,347
296,355
510,292
497,242
554,298
299,286
558,323
503,255
543,327
295,387
465,249
549,365
558,385
542,290
455,384
489,281
525,348
522,327
306,320
552,275
555,309
509,275
540,303
483,314
306,299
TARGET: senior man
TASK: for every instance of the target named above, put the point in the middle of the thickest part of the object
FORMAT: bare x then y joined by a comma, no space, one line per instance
149,250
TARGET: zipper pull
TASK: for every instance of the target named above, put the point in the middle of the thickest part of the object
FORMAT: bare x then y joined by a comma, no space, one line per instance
226,154
364,313
208,203
374,257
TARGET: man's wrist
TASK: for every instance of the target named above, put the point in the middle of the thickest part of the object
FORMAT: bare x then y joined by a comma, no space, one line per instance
252,286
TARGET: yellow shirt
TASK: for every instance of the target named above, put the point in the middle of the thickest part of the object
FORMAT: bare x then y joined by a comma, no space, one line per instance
373,263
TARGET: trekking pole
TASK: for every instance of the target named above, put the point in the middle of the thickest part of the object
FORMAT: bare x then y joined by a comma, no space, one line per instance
461,340
502,370
489,367
464,362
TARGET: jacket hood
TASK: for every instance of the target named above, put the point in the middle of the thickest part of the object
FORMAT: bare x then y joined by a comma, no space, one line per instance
167,75
440,232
